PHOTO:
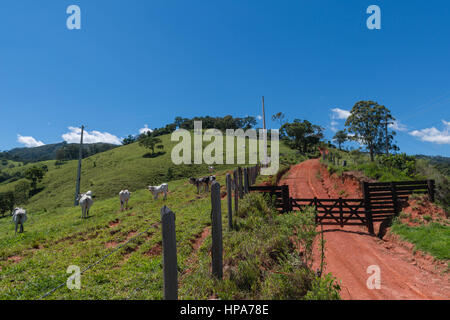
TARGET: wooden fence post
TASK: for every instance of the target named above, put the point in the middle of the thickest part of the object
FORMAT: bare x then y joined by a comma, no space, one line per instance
236,192
229,202
245,180
367,207
315,207
216,223
341,212
241,191
285,194
395,199
169,244
431,189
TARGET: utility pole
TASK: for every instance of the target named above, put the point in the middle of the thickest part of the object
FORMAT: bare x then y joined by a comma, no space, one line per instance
80,156
386,133
265,132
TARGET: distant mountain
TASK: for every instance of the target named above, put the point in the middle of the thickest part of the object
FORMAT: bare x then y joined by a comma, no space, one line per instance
57,151
441,163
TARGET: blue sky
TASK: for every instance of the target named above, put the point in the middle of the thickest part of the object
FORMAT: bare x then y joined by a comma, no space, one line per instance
145,62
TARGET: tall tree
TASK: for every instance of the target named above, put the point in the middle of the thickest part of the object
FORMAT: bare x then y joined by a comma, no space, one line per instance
150,142
367,122
6,202
340,137
128,140
279,117
34,174
301,135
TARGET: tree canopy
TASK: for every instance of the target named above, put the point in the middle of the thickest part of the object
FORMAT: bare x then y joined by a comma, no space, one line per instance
301,135
367,122
340,137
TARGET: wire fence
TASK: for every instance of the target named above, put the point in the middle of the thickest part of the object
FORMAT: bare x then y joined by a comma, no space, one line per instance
97,262
243,179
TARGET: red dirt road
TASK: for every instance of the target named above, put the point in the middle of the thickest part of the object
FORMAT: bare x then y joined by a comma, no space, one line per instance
349,251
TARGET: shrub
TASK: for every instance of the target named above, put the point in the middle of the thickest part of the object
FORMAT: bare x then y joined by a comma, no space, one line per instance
402,162
254,204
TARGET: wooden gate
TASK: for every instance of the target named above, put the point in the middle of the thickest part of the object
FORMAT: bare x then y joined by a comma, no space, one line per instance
381,202
281,194
335,211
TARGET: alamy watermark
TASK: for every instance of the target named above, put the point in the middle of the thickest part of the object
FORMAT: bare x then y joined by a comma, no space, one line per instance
213,153
374,281
74,20
74,281
374,21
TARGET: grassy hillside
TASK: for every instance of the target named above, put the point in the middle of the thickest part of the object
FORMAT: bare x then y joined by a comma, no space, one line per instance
129,167
55,237
36,261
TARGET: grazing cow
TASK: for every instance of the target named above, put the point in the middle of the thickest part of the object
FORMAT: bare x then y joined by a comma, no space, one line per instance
19,217
124,196
204,181
164,188
85,201
196,182
207,181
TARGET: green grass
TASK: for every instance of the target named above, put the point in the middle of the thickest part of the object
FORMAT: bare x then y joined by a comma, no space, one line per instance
260,259
56,237
361,162
127,167
54,240
433,238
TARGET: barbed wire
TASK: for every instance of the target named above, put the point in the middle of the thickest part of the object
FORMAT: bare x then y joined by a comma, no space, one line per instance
139,287
97,262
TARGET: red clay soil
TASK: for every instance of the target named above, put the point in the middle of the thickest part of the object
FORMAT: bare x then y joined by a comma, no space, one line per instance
419,210
350,250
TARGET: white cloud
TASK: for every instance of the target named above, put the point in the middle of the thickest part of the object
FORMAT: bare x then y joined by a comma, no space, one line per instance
73,136
434,135
334,126
29,142
340,114
397,125
145,129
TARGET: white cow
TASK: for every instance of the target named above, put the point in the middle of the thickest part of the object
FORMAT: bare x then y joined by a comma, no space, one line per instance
164,188
124,196
85,201
19,216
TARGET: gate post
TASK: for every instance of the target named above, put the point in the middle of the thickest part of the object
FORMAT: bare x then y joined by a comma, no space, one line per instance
341,213
394,198
431,189
317,213
285,193
367,207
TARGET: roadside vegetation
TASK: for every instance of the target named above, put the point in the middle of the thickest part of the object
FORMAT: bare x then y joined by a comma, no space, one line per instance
267,256
424,231
433,238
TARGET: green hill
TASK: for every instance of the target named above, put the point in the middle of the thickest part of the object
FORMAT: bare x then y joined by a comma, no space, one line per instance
55,237
50,151
131,167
